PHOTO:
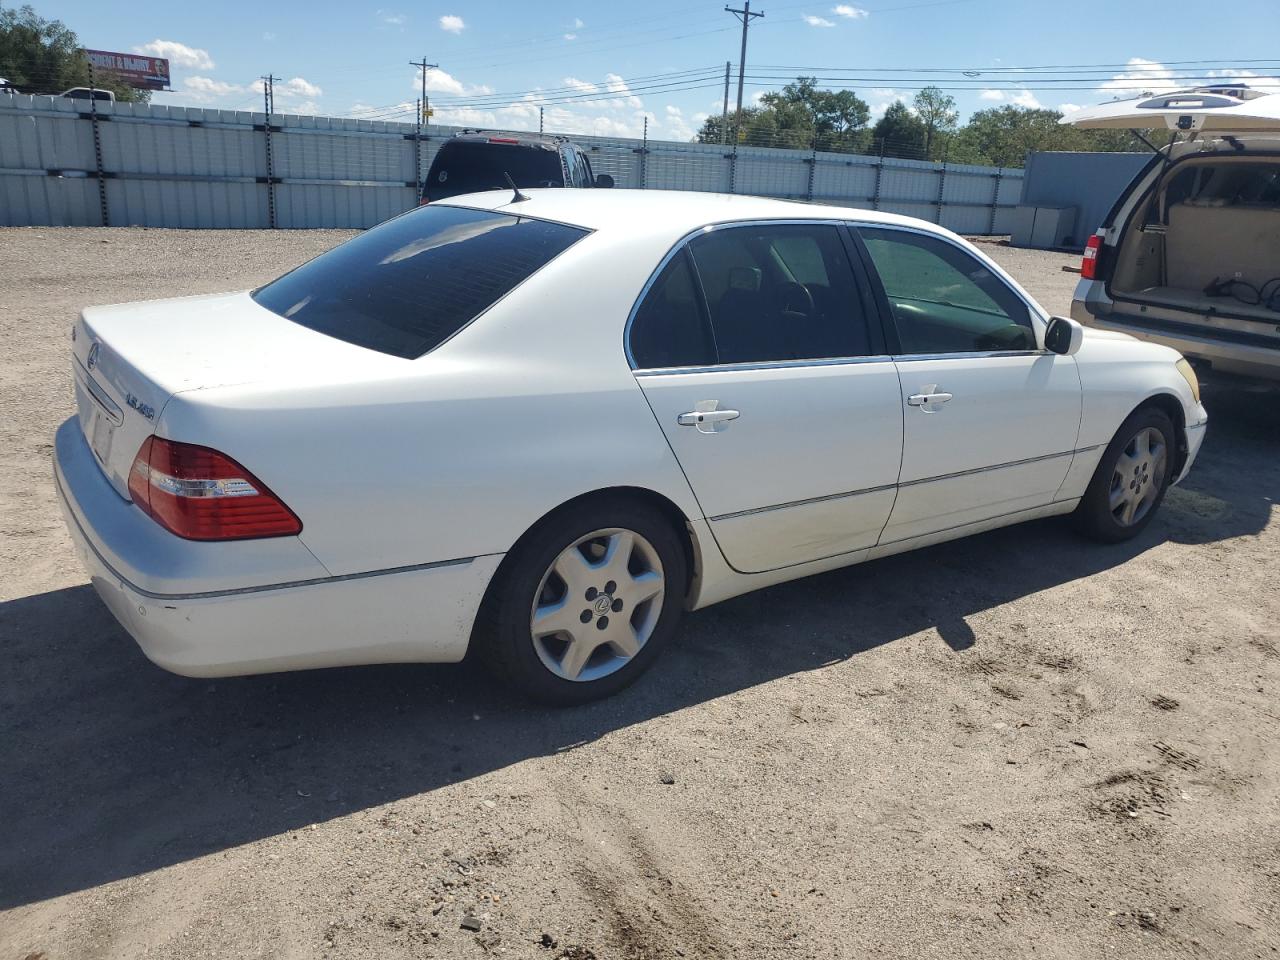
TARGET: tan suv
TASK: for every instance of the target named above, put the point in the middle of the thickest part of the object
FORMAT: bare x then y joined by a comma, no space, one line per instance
1189,256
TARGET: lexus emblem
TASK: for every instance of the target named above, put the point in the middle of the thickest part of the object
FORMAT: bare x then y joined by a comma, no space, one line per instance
93,356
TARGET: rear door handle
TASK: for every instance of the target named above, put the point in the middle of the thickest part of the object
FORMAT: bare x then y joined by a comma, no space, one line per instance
707,418
928,399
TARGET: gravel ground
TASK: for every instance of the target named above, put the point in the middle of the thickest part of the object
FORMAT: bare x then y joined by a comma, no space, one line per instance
1016,744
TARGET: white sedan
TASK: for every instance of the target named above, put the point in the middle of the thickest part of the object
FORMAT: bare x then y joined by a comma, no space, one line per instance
540,428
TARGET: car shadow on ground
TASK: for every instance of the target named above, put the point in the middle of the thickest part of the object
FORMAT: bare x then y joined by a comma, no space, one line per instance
112,768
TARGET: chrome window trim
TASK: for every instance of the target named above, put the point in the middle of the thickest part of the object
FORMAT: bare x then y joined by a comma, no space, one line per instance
760,365
969,355
677,248
1033,309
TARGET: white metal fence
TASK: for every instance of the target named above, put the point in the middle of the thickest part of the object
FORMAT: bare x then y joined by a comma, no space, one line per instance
72,163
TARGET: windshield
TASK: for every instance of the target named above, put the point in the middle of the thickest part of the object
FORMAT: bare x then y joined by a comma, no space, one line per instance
409,284
471,166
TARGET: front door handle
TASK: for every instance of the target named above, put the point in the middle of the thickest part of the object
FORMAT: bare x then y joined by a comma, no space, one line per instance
928,399
707,418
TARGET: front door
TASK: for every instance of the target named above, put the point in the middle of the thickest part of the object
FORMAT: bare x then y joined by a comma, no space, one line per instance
990,419
754,350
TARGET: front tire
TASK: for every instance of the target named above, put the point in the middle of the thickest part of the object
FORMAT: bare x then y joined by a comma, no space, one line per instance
1131,479
585,602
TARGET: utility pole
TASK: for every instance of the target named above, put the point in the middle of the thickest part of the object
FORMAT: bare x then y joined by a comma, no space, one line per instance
746,16
724,117
269,93
426,104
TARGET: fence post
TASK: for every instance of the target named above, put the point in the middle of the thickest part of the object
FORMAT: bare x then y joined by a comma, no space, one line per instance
268,96
875,198
97,151
813,165
417,156
995,199
942,184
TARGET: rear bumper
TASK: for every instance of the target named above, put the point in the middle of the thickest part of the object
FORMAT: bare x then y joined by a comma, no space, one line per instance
423,613
1242,359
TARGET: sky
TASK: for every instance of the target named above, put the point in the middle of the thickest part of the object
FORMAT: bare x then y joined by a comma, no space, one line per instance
607,69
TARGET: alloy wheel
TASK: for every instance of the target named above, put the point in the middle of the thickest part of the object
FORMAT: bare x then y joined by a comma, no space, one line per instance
597,604
1138,477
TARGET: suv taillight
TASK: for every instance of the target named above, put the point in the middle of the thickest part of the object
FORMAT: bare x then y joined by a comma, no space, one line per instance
201,494
1089,265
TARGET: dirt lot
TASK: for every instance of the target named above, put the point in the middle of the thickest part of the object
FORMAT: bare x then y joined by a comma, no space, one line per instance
1013,745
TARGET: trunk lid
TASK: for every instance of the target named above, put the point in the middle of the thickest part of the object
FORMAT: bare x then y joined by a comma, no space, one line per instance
129,359
1229,108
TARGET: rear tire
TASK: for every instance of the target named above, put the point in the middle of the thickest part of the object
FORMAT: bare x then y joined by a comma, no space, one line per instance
585,602
1131,479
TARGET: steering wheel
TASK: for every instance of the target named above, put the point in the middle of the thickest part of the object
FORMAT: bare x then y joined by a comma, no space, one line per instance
796,299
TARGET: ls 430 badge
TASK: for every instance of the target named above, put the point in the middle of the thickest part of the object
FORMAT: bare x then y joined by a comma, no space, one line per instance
145,409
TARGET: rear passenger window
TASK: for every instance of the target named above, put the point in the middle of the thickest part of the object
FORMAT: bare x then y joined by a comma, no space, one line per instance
942,299
753,294
409,284
670,327
782,292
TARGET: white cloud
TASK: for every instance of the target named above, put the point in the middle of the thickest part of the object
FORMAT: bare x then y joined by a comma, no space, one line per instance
438,81
451,23
616,85
206,89
579,86
297,87
1066,108
179,54
853,13
393,19
571,36
1019,98
881,99
577,23
1141,75
674,111
268,36
813,21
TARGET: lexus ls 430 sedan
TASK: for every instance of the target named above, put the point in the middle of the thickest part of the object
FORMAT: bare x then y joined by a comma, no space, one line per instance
539,429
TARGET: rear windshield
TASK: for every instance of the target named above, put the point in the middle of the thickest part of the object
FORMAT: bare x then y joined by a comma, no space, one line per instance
469,166
406,286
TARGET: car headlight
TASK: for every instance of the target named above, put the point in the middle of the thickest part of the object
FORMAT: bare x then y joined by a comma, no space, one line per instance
1189,374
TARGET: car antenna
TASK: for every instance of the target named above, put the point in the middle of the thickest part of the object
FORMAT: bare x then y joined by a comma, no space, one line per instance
514,189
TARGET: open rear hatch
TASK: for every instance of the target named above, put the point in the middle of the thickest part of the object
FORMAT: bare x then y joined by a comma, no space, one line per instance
1199,246
1228,108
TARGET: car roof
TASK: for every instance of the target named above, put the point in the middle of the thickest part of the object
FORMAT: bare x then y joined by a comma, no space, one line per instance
521,139
678,211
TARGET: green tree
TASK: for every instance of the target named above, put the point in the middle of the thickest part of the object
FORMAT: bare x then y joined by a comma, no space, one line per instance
44,56
796,115
900,132
937,111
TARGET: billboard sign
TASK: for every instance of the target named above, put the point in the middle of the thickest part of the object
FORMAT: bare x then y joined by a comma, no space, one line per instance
140,72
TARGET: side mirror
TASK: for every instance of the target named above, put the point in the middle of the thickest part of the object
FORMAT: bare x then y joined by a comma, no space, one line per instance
604,180
1064,336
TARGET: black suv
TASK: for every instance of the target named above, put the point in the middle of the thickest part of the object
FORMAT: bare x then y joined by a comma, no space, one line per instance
477,160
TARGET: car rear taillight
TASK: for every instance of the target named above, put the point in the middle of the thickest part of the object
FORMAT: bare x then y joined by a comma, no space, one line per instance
201,494
1089,265
503,140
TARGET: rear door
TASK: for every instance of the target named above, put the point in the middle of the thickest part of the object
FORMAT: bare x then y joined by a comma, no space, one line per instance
756,348
990,419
